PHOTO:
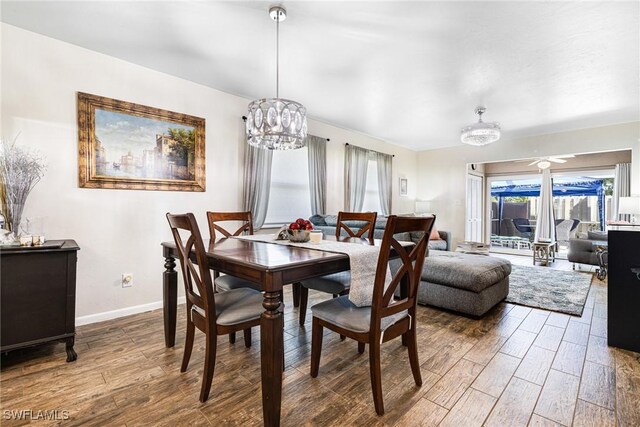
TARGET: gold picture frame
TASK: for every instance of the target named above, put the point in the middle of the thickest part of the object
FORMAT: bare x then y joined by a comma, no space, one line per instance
122,145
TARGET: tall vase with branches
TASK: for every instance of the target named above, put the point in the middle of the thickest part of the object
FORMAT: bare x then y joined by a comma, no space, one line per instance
20,170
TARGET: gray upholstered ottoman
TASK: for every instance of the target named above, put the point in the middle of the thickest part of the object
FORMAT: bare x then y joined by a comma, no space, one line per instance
466,283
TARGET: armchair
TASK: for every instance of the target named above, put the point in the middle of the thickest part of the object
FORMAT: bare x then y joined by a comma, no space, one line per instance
583,251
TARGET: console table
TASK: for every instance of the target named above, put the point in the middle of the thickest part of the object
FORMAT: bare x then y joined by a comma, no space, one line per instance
38,295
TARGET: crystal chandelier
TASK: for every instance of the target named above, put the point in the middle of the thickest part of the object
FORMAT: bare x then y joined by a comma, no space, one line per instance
480,133
276,123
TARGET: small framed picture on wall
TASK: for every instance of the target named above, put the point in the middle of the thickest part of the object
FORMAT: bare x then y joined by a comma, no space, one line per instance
403,186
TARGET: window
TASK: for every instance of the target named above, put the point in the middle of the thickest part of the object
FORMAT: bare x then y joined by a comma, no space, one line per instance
371,197
289,194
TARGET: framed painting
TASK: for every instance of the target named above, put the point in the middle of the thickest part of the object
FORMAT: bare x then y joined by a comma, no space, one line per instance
403,186
130,146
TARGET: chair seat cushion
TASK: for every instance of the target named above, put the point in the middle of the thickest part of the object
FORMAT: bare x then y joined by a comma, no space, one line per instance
238,306
345,314
331,283
226,282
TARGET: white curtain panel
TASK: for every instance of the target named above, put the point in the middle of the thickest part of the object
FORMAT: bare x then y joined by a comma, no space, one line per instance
621,188
257,182
545,226
356,160
384,181
317,173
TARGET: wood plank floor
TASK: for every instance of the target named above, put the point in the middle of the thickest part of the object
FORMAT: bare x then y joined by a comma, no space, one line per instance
517,366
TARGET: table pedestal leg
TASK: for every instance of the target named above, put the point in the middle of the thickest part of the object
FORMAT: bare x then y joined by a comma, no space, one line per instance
272,351
169,300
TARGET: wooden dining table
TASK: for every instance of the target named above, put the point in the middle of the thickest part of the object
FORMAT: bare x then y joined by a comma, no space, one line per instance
273,266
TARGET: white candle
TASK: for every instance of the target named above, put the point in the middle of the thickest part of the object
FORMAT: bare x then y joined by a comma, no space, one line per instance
316,236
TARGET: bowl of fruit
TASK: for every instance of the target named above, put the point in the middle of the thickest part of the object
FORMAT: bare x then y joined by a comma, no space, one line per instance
300,230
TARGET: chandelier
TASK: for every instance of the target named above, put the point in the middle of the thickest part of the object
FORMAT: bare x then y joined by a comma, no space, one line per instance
480,133
276,123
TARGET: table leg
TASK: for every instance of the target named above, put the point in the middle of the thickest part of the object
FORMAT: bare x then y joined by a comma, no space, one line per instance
169,300
272,351
296,293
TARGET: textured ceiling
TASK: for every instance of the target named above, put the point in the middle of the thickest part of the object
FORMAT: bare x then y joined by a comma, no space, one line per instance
410,73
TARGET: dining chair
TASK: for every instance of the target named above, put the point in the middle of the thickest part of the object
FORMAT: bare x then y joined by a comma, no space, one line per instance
338,284
386,318
227,282
213,313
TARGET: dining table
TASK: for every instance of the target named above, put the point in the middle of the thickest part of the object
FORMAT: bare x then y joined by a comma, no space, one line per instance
273,266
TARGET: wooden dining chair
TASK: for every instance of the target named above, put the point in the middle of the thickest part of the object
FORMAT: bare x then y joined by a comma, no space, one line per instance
386,318
338,284
227,282
213,313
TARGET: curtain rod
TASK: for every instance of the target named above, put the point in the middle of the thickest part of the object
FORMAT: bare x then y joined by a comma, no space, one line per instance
244,119
392,155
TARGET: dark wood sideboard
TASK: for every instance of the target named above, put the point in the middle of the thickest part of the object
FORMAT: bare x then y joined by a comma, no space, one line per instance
623,306
38,295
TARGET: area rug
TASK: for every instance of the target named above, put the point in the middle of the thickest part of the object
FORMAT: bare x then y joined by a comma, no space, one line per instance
549,289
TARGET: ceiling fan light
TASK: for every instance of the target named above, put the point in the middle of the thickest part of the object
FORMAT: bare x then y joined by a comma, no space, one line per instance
544,164
480,133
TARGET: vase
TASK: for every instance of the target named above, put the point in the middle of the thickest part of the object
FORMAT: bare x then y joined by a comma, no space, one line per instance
13,217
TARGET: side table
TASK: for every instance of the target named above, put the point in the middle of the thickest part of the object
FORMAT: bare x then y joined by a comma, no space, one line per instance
544,252
38,295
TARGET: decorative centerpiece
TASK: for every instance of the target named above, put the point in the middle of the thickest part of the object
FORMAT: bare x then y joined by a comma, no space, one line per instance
300,230
20,171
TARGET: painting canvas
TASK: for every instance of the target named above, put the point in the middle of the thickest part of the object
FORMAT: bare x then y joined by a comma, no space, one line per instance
131,146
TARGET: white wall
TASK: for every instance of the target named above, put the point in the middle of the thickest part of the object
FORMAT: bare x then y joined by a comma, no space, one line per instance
442,173
120,231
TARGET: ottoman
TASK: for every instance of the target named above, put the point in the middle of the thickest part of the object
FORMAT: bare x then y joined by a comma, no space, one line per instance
466,283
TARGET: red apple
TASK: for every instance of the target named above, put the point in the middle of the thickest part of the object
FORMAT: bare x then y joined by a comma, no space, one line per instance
300,221
294,226
308,226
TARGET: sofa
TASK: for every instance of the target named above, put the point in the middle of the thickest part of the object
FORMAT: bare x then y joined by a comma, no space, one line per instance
583,250
328,223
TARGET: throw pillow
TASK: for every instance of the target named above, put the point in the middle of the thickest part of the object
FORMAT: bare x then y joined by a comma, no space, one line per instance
434,234
331,220
317,220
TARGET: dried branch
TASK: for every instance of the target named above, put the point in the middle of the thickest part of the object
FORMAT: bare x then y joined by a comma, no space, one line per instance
20,170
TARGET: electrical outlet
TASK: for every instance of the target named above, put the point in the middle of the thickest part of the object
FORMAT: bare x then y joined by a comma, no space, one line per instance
127,280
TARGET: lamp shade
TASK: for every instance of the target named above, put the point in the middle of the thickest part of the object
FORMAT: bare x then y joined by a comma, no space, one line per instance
629,205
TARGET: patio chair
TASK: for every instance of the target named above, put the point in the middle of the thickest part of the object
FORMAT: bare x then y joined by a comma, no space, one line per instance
523,226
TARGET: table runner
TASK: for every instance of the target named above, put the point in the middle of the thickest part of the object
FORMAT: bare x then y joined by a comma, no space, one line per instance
363,260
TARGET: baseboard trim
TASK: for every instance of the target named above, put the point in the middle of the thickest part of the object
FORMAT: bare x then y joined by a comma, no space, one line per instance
121,312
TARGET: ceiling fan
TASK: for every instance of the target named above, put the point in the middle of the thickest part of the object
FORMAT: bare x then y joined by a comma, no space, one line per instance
545,162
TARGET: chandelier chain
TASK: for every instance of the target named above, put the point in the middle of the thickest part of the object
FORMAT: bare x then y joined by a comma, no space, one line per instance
278,55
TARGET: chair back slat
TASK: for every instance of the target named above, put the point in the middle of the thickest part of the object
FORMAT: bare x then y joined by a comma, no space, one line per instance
215,218
409,272
368,217
197,280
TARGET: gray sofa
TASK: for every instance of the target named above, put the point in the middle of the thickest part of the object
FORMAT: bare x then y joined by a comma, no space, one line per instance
328,223
583,250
